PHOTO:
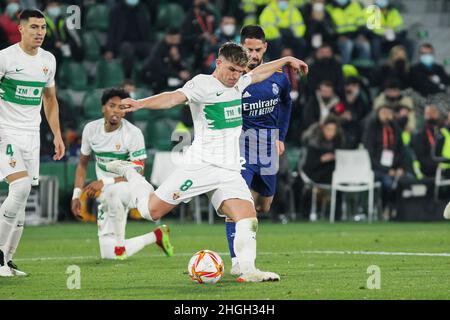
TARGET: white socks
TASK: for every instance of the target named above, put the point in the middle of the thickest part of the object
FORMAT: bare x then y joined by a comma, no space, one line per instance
136,244
245,244
10,210
132,246
141,190
15,236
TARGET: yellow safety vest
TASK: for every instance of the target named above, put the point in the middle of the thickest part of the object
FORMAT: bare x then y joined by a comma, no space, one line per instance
446,148
388,20
347,19
272,19
51,28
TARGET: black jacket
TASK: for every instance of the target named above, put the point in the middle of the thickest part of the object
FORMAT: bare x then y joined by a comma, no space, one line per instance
421,82
422,144
316,146
127,24
373,137
326,69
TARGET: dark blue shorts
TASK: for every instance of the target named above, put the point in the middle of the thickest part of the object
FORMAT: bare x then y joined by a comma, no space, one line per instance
265,185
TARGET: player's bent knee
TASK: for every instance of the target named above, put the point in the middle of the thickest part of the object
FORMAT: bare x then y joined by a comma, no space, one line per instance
20,189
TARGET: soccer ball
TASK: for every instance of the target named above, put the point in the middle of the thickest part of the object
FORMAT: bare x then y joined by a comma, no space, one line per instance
205,266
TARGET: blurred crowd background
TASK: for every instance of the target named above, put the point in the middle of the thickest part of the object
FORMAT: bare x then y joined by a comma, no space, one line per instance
379,78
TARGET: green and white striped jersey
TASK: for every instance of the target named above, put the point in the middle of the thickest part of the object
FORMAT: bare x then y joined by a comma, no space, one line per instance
217,115
124,143
22,81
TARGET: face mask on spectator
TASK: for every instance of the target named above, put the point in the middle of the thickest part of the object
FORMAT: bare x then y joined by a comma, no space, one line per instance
132,3
431,122
54,12
326,100
402,121
202,6
318,7
382,3
283,5
400,64
12,8
427,59
133,95
342,2
229,29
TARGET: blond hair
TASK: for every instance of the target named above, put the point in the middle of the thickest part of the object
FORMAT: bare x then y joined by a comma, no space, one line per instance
234,53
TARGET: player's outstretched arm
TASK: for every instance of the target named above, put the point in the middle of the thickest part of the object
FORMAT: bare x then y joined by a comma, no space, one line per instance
265,70
165,100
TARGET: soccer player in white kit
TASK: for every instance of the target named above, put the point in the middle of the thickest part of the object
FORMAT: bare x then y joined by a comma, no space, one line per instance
26,80
111,138
212,164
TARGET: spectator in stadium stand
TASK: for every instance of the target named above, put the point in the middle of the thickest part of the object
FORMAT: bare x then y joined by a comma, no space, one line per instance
320,28
424,141
389,32
396,67
427,76
226,32
165,68
443,147
392,96
325,66
323,103
357,107
283,25
382,139
348,17
321,141
402,117
9,24
281,206
128,34
251,10
60,40
198,29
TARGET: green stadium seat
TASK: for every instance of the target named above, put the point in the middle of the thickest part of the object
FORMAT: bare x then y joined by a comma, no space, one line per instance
92,46
73,76
92,105
293,155
172,113
169,15
97,17
66,97
158,134
109,74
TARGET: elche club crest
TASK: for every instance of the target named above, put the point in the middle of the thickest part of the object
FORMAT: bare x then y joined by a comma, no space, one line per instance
118,146
45,70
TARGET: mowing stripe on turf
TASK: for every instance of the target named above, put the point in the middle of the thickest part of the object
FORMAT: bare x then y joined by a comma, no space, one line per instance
379,253
187,254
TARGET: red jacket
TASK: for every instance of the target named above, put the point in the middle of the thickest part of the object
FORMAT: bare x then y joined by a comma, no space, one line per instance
10,28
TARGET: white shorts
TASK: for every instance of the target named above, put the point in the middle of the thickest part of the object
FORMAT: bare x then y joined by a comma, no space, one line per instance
218,183
20,153
121,190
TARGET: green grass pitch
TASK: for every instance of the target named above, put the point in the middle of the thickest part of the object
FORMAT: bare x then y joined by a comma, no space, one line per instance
315,261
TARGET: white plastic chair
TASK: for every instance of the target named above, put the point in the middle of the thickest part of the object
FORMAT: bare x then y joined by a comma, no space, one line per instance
164,164
353,173
440,181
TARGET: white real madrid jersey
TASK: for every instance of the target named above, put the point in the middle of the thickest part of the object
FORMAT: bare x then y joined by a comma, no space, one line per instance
22,81
217,115
124,143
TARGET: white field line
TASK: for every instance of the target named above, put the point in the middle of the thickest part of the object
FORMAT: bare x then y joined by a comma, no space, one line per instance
187,254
